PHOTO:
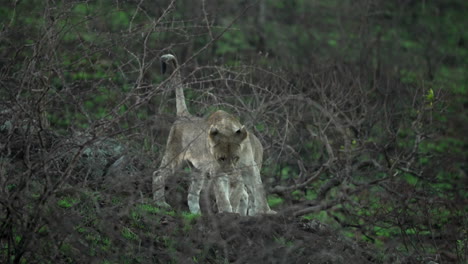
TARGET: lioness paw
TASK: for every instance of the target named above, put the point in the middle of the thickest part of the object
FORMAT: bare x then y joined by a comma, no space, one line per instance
163,205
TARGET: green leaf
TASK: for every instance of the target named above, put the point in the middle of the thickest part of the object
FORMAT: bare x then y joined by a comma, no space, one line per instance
275,200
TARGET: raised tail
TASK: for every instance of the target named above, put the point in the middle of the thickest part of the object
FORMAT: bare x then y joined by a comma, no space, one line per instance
169,64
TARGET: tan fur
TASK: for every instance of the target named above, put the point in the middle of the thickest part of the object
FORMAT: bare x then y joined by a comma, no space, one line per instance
218,146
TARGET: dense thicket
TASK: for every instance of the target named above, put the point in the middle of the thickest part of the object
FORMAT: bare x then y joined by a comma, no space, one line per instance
360,105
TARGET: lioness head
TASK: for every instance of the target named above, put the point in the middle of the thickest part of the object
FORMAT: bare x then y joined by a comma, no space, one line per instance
226,138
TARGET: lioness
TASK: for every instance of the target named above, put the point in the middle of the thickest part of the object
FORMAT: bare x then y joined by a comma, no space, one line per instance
219,146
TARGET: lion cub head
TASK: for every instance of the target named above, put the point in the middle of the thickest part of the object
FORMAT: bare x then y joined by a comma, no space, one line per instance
226,138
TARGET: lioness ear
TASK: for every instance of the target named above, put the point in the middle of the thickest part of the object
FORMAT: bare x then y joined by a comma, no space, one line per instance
214,133
241,134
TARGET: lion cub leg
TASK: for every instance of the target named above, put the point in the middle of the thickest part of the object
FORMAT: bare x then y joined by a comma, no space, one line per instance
221,189
196,185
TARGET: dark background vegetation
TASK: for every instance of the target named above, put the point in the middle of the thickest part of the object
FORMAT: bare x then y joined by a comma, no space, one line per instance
360,105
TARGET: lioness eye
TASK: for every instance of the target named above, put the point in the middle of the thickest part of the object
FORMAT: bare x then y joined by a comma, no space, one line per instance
222,159
236,158
238,131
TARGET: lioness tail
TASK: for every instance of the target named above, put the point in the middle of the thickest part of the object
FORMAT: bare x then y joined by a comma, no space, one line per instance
170,61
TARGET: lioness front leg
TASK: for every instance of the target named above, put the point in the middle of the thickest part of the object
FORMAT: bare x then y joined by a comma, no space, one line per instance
253,182
221,189
239,198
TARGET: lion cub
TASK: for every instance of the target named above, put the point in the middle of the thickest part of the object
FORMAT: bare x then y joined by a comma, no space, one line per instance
218,146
